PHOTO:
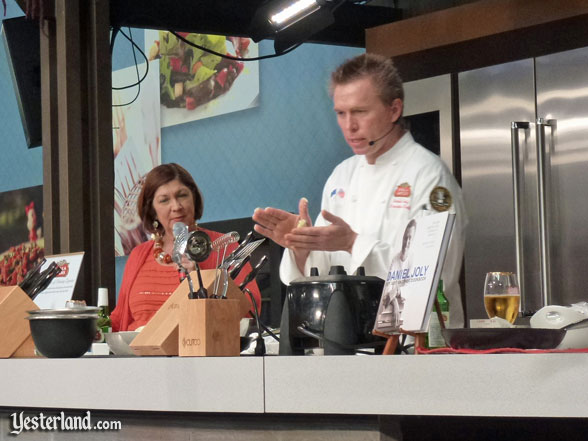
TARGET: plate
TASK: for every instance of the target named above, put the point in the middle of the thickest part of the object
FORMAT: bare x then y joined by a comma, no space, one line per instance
493,338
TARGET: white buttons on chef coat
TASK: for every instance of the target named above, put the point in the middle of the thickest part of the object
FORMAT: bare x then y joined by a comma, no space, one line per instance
354,198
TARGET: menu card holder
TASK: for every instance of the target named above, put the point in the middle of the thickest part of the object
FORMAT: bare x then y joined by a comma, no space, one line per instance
161,337
15,332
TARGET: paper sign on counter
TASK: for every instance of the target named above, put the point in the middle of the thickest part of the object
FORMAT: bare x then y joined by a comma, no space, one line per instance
62,286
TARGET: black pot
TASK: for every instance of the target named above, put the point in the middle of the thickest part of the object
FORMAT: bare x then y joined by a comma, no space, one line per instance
68,336
338,309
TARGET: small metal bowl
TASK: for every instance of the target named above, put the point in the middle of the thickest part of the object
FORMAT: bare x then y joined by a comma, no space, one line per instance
119,342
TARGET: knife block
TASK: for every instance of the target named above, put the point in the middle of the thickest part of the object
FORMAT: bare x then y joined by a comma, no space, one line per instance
15,332
160,336
209,327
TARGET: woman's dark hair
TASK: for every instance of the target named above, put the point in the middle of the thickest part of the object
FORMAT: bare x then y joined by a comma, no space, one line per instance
161,175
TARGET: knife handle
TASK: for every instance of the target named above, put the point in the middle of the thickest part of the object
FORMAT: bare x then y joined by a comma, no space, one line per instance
237,269
253,274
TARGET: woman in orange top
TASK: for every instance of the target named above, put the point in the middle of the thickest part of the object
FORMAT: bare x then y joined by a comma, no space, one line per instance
169,195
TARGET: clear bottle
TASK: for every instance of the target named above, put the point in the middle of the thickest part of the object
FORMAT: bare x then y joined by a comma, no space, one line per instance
434,336
103,323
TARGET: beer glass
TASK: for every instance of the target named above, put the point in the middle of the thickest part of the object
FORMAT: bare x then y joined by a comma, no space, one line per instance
501,295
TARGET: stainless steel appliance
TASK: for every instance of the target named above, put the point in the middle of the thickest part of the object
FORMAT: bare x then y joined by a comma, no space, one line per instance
524,151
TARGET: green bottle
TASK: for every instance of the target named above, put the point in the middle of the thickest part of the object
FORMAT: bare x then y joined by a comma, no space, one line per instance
103,323
434,336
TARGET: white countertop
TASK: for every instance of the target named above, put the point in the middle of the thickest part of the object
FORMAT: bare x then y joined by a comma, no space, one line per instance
514,385
212,384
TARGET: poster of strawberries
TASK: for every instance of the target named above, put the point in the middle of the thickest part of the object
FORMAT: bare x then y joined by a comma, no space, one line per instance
21,233
196,84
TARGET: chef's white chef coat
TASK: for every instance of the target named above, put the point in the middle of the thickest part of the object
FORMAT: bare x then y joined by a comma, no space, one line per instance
377,201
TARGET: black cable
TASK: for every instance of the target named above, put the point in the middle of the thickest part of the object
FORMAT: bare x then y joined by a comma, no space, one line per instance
139,81
136,65
230,57
259,341
268,330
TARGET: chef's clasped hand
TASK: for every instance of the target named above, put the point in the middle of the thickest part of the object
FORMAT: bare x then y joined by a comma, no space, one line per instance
285,229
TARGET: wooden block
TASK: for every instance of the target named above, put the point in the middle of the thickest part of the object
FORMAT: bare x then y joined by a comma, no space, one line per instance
209,327
26,350
14,328
160,336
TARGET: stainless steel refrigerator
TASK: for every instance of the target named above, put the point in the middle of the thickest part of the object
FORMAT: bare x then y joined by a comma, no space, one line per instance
524,152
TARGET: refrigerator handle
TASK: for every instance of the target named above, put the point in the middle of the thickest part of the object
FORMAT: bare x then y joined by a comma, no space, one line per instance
542,157
515,126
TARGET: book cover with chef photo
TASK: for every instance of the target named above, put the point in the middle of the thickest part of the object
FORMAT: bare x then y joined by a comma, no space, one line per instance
409,291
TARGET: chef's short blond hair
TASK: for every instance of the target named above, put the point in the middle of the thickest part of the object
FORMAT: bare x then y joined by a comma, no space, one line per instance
379,68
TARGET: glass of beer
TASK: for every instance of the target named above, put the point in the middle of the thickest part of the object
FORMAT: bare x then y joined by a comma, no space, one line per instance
501,295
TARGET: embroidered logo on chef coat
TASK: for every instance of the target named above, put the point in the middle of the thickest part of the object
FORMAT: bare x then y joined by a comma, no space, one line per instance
401,196
402,191
338,192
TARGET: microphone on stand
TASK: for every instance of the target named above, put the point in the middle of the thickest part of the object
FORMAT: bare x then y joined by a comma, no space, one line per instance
372,142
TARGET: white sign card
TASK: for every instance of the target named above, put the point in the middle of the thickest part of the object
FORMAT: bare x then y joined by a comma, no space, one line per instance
411,284
62,286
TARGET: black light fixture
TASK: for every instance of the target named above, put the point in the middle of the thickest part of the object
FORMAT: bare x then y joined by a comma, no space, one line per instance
291,22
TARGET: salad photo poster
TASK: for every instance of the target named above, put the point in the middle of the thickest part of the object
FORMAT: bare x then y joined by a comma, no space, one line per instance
22,244
195,84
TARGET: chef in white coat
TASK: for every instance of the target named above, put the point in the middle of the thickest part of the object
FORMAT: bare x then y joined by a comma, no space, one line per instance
369,198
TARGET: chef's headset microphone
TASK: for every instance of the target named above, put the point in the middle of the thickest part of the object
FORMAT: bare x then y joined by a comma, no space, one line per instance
371,143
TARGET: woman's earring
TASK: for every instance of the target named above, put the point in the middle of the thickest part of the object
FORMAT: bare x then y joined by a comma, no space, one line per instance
155,224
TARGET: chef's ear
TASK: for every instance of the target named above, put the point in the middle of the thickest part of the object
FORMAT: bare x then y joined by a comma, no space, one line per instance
396,110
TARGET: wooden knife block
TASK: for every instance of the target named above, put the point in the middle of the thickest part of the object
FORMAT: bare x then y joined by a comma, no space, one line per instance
209,327
15,332
160,336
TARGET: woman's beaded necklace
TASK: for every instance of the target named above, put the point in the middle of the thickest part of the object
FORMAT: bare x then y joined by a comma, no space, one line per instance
158,253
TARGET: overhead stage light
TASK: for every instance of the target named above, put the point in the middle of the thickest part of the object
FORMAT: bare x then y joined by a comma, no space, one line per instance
293,13
290,22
